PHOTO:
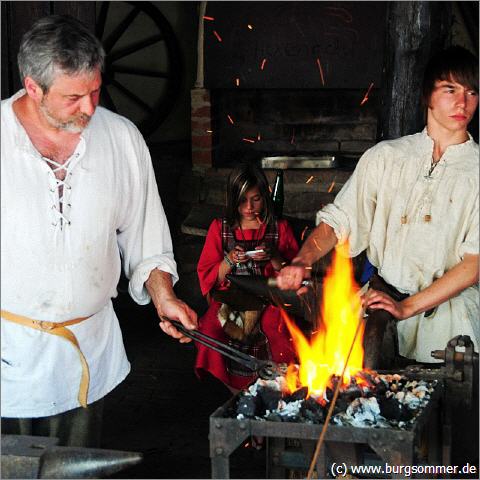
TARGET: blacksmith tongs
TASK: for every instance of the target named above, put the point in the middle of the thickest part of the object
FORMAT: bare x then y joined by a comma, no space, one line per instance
265,369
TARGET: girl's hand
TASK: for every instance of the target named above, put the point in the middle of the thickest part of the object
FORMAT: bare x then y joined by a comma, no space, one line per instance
237,255
262,256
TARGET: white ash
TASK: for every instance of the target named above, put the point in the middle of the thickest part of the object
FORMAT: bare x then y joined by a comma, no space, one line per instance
364,411
278,384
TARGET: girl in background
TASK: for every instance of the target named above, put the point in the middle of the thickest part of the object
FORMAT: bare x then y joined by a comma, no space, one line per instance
249,225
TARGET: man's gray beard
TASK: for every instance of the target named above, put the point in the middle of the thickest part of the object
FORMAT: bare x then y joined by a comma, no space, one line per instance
69,126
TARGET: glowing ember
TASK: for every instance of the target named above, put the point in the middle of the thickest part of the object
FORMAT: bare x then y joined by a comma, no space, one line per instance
219,38
208,18
230,119
330,188
249,140
250,27
326,353
310,178
208,131
259,137
237,82
262,66
321,71
365,98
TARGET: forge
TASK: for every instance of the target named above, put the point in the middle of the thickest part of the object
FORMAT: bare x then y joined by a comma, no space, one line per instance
291,437
399,417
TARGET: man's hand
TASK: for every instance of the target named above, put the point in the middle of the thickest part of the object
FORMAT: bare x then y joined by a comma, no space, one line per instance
377,300
159,285
290,278
175,309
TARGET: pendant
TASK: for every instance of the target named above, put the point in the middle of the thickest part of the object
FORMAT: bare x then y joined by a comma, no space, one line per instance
403,219
427,218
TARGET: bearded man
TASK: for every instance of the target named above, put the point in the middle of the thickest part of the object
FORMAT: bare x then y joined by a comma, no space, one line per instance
79,200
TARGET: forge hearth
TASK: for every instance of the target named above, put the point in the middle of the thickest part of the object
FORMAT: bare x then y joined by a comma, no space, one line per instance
343,443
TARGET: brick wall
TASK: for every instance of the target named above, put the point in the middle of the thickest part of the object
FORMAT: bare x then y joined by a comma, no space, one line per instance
201,128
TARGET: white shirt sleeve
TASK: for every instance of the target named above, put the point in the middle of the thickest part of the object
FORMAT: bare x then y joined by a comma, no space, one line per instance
144,237
351,214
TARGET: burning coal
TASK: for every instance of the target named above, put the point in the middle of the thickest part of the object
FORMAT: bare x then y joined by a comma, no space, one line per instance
369,400
329,384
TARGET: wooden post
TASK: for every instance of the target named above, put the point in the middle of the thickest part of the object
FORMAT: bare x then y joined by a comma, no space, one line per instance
415,30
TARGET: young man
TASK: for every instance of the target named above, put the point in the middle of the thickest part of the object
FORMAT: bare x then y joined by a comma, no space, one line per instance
412,203
79,198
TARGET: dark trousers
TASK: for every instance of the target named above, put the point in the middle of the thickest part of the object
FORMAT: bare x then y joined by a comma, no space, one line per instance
80,427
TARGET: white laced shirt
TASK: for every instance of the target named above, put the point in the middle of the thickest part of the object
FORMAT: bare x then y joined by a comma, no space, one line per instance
415,227
61,258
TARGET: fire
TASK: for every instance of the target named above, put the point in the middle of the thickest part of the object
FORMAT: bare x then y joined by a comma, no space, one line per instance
327,353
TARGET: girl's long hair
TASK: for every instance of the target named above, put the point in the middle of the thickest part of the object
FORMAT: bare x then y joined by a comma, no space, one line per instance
242,178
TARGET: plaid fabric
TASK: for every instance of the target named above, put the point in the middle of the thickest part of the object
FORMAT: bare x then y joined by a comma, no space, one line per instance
229,242
258,347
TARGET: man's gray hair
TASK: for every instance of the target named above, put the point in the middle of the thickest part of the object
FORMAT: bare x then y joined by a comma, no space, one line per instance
58,44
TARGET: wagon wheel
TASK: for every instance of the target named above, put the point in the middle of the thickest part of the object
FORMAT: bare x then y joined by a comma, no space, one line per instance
143,66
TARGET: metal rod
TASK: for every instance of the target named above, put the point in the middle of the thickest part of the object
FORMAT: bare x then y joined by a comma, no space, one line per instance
244,359
361,321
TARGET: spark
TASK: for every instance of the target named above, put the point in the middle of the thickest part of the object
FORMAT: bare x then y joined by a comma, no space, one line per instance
262,66
270,188
283,264
317,245
259,137
209,131
302,236
330,188
287,304
250,27
219,38
292,140
249,140
237,82
365,98
344,14
208,18
310,178
321,71
230,119
308,268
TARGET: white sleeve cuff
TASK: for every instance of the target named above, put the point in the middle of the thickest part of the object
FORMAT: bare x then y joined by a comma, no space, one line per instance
136,286
330,215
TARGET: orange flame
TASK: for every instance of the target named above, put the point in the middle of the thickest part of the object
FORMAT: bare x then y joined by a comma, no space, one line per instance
326,353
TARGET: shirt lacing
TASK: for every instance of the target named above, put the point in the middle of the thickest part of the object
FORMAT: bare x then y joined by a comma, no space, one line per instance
60,186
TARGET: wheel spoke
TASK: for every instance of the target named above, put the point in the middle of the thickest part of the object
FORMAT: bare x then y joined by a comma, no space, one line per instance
132,96
139,71
108,100
135,47
112,39
102,19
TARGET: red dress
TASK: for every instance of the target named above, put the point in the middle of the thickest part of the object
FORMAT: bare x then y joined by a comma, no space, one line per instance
271,322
